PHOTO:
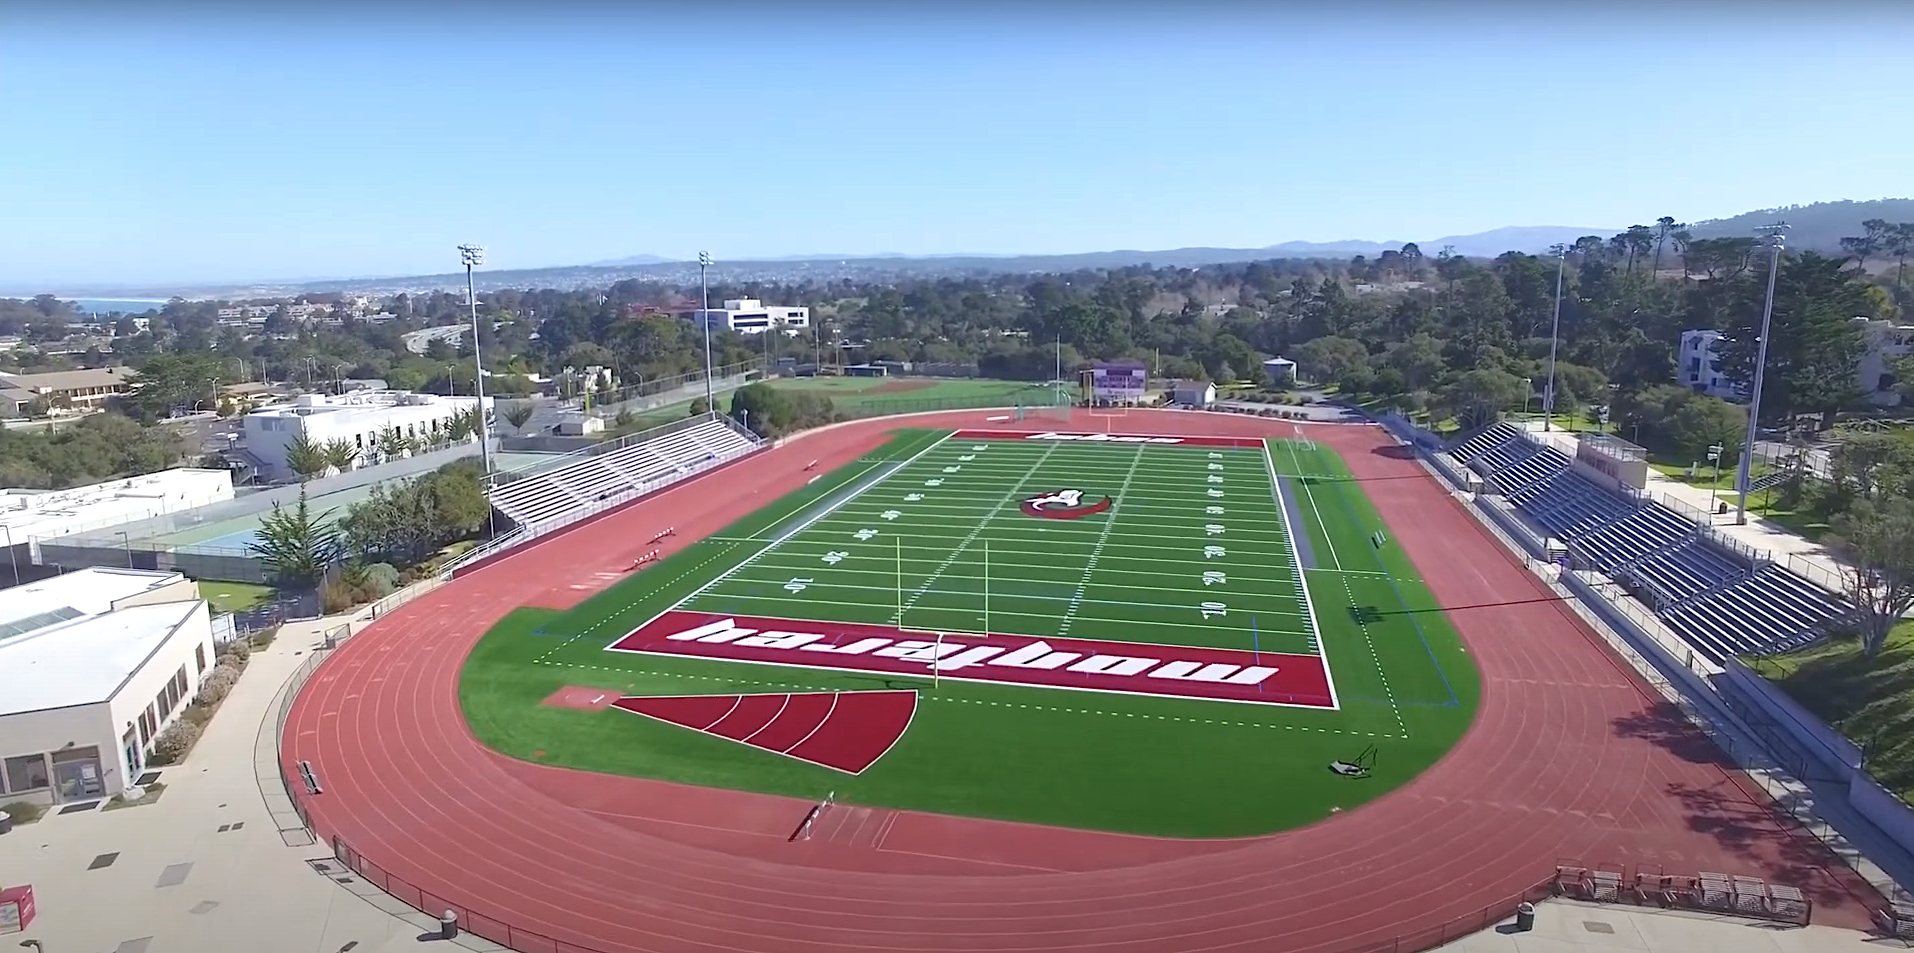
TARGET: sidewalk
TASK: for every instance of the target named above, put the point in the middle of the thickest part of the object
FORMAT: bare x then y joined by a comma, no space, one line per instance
1570,926
205,868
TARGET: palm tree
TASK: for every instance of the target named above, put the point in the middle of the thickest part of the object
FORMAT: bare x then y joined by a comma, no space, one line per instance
305,458
392,443
518,412
340,453
458,427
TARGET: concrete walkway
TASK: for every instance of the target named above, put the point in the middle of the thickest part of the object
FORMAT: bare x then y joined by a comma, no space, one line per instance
219,863
205,868
1569,926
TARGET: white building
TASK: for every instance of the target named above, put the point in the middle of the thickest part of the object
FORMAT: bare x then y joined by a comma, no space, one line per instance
94,665
1886,343
1193,393
28,517
1280,370
357,418
1698,363
751,316
1698,366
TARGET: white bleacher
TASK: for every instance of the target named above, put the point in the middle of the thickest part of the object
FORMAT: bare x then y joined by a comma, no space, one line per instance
593,482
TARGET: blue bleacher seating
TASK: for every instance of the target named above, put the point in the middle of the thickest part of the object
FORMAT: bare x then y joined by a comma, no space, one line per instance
1708,596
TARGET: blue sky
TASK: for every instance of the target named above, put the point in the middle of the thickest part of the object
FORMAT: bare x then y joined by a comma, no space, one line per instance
168,143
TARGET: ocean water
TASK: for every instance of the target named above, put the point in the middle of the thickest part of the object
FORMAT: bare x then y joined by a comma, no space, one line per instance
109,305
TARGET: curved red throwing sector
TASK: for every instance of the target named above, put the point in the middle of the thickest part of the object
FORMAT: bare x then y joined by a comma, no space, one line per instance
843,731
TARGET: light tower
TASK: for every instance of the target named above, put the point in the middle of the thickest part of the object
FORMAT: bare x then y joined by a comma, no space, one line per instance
1554,339
704,317
473,256
1775,238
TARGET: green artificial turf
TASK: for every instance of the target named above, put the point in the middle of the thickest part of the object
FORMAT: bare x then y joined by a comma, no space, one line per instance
1153,765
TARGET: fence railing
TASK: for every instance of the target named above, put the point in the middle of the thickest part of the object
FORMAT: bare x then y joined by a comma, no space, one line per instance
489,926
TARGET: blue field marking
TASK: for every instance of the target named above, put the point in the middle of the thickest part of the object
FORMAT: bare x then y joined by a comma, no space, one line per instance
1304,549
1421,636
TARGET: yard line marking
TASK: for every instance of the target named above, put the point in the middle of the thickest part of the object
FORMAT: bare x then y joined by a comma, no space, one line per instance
1016,488
814,587
1246,573
1394,708
854,494
1049,618
1109,523
801,527
1302,585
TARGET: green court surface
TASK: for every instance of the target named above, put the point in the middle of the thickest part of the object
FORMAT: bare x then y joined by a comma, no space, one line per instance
931,534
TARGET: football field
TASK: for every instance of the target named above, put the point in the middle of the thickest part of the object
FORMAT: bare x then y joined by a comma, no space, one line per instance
1194,636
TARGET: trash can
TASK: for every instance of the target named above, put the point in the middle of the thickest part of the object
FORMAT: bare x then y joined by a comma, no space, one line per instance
1524,917
6,822
449,926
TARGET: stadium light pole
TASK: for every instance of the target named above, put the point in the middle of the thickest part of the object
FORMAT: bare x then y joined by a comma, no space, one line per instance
1554,339
473,256
1773,237
704,318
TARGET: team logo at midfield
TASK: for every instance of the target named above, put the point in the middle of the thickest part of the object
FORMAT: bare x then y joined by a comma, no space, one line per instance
1064,505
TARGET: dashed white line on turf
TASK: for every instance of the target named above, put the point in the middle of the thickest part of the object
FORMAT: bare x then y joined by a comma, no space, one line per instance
927,696
1394,708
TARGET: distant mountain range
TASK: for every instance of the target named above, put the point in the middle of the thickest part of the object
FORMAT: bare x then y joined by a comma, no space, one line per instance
1532,239
1817,227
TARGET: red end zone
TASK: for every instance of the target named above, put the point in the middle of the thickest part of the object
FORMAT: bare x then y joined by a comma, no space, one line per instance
1079,664
1254,443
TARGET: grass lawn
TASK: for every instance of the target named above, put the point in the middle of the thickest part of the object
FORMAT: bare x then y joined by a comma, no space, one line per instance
1805,525
224,597
930,534
872,396
1870,701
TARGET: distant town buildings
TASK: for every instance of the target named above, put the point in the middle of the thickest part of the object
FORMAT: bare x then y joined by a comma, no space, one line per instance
82,390
751,316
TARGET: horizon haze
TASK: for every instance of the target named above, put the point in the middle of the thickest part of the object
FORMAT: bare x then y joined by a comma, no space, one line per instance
313,142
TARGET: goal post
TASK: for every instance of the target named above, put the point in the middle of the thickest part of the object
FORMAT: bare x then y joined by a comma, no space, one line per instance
944,633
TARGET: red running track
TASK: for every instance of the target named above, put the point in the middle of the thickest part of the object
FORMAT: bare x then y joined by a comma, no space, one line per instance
1572,757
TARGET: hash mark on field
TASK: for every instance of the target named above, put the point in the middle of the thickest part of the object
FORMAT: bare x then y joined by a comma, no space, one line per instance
1090,565
935,697
601,622
1015,488
1394,708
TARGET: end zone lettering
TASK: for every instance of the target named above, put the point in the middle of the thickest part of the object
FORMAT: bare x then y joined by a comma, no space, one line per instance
1157,440
1079,664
